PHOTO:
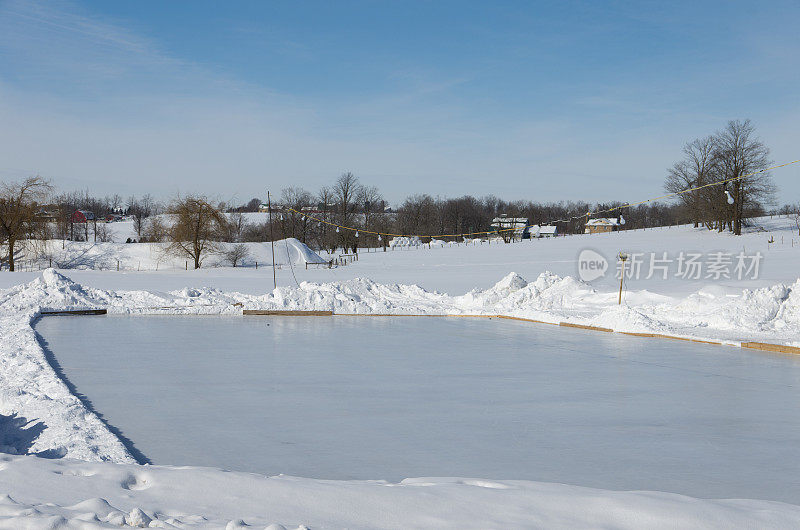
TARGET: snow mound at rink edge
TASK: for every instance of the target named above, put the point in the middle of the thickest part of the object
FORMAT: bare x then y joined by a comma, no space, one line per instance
294,251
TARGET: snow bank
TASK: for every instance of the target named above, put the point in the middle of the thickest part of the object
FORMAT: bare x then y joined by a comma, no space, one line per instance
32,391
71,494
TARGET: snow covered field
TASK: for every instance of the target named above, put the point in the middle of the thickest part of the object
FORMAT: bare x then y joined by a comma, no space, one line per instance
457,269
756,390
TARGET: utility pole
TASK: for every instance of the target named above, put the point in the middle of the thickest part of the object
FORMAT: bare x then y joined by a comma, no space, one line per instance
272,242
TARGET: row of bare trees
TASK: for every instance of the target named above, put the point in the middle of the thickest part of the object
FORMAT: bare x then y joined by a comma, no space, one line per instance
734,155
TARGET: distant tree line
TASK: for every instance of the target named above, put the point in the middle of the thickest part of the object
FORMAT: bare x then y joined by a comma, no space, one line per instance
30,210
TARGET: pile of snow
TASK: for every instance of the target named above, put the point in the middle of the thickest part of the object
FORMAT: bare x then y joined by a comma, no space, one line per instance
356,296
294,251
405,242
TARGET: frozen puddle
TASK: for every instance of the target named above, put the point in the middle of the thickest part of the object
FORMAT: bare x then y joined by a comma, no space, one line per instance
390,398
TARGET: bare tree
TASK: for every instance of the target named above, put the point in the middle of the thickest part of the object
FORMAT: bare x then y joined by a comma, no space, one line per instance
115,203
371,200
324,203
296,224
235,227
697,169
417,215
20,218
740,153
345,192
195,228
102,233
791,211
236,254
140,209
155,231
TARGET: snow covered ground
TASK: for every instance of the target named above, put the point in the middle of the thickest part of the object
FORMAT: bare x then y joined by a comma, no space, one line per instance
41,416
80,495
110,256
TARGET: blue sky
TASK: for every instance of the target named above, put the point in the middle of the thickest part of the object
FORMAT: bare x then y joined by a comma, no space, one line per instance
539,101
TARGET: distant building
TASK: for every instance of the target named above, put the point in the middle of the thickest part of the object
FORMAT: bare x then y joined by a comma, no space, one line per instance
507,224
536,232
603,224
548,231
82,217
49,213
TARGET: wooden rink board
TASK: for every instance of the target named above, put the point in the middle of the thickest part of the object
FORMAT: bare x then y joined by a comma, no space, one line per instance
778,348
73,312
761,346
271,312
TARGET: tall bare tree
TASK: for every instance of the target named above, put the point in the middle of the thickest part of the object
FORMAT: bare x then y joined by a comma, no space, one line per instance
740,152
20,219
324,203
345,193
195,229
296,224
697,168
235,227
418,215
140,209
114,202
371,200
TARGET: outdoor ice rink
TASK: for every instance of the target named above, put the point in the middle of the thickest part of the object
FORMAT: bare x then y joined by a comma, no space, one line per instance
396,397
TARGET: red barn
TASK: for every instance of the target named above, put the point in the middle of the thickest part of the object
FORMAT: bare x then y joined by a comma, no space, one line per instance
82,217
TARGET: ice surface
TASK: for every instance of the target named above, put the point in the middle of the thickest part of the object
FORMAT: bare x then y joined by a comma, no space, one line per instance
380,398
